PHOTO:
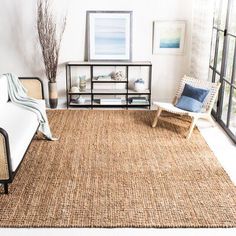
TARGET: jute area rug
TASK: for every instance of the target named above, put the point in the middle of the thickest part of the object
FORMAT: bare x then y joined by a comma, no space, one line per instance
111,169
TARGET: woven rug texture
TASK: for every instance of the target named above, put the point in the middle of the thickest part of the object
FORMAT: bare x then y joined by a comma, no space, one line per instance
111,169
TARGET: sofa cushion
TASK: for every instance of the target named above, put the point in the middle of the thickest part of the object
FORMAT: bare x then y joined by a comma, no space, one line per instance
21,125
4,97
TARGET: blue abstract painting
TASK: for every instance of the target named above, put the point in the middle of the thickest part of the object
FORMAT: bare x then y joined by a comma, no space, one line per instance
170,38
110,36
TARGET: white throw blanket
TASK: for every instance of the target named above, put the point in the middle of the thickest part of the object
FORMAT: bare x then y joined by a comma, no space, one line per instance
18,96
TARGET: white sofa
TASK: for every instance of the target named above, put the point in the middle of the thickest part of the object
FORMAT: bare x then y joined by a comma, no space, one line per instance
17,128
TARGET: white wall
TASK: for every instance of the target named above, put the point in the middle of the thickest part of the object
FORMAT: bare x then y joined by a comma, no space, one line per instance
20,53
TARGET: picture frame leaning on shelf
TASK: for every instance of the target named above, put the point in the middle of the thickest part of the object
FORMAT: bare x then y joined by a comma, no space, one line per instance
109,35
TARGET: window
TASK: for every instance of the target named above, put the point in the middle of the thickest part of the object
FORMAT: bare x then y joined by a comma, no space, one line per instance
223,64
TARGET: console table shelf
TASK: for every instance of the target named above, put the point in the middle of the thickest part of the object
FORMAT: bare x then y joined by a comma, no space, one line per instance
92,96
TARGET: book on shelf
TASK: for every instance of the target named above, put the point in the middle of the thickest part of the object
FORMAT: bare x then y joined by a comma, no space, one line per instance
140,103
138,100
110,101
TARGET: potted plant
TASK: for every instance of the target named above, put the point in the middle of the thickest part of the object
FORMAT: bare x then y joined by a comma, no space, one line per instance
50,36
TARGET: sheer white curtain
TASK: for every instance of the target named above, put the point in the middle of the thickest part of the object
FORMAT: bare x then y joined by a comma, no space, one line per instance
203,11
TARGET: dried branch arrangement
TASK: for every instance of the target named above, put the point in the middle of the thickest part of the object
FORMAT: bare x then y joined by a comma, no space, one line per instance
50,36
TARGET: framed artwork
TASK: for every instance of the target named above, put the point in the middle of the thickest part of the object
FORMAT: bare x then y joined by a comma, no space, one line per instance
109,35
169,37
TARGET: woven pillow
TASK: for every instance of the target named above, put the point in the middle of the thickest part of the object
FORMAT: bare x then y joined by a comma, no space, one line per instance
192,98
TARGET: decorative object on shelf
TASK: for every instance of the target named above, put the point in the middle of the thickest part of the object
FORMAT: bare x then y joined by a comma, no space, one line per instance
169,37
109,35
74,89
81,100
74,98
139,85
82,83
50,36
119,75
78,100
103,77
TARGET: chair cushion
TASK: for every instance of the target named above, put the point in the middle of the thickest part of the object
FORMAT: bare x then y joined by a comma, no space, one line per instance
4,97
192,98
21,125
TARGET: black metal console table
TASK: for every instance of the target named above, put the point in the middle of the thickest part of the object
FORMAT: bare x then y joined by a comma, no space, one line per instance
92,92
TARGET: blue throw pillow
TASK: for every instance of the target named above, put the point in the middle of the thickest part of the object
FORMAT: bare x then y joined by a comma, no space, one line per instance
192,98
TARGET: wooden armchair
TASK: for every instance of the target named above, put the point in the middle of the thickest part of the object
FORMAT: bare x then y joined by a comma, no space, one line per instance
207,105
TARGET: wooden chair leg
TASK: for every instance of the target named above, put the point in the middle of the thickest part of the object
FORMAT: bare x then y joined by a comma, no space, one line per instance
193,123
154,124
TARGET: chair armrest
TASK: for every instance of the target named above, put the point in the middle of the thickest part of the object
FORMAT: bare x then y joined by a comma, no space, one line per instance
5,164
34,87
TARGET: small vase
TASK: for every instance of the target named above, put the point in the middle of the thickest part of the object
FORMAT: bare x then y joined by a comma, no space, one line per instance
82,83
139,85
53,96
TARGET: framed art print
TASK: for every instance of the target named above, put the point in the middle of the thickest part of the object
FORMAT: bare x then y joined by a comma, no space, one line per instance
169,37
109,35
